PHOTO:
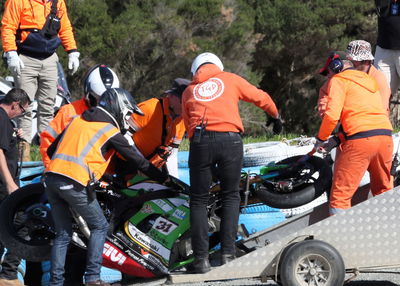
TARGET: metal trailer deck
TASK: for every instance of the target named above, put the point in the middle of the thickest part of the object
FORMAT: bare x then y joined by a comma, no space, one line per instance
366,237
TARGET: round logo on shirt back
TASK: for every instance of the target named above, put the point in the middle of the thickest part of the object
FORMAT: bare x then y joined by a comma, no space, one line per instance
208,90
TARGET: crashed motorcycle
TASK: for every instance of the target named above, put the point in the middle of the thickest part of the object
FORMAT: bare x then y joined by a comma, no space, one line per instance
149,234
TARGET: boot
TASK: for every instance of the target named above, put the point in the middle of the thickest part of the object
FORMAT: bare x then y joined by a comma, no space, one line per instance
24,149
200,265
14,282
225,258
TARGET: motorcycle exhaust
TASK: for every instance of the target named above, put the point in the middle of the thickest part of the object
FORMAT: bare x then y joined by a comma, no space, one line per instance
81,223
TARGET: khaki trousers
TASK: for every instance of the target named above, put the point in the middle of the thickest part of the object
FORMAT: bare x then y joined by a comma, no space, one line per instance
39,79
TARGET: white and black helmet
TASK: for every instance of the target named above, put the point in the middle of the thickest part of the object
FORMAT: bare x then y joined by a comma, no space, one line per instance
206,58
120,104
97,80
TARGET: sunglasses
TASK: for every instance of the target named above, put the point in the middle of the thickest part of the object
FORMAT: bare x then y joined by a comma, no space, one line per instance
22,108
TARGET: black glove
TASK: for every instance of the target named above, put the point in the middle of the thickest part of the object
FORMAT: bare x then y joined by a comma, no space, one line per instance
277,124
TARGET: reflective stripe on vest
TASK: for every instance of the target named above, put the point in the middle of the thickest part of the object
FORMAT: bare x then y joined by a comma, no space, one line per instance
51,132
89,162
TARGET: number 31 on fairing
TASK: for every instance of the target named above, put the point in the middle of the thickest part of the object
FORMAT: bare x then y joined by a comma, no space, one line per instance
164,226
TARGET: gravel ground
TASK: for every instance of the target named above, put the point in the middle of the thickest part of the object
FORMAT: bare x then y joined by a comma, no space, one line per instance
383,277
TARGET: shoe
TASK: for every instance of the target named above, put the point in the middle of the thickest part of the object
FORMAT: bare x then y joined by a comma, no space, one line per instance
200,265
14,282
97,283
225,258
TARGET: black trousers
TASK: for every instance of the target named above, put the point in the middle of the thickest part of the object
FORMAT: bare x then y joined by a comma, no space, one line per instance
222,151
9,266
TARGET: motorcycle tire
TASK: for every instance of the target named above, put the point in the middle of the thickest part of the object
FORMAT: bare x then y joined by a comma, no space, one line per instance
16,236
302,194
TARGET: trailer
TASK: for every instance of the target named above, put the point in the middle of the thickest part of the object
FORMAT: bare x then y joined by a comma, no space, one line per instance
317,249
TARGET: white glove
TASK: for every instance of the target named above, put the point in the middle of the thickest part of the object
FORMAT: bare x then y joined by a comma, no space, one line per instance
15,64
73,61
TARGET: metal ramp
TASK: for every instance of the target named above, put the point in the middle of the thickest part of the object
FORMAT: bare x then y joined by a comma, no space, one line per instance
366,236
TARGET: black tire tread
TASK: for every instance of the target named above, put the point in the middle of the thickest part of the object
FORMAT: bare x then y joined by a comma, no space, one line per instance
303,196
9,238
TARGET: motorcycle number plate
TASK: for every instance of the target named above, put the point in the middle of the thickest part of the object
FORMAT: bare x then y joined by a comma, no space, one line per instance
164,226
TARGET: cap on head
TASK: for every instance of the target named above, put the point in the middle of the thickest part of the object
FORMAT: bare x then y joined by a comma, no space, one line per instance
333,62
359,50
206,58
178,86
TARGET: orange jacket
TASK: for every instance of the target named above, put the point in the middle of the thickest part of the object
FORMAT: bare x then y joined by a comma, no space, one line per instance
28,14
383,86
64,116
384,90
213,95
354,99
83,159
150,134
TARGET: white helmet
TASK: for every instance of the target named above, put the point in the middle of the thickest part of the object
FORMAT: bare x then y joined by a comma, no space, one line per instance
206,58
97,80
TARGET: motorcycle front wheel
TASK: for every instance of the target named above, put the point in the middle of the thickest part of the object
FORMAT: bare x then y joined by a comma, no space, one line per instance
27,228
310,179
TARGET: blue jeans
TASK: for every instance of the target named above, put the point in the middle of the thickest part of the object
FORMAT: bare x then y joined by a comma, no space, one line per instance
220,152
64,193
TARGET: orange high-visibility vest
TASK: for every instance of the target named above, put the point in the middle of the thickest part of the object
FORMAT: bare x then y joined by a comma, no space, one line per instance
78,155
64,117
156,118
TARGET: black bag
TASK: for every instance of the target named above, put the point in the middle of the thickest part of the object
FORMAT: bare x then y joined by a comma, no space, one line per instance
52,25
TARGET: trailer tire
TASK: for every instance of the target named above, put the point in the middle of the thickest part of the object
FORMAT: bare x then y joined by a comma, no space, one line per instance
312,260
15,233
303,194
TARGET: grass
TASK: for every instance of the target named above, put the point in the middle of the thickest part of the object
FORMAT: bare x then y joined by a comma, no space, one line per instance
35,153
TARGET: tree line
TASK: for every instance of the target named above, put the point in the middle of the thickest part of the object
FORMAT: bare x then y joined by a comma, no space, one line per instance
278,45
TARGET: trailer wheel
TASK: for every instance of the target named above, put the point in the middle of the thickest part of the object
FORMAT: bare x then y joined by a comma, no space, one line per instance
312,262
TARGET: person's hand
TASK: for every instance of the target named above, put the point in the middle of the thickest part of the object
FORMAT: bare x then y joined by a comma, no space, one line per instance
277,124
331,143
326,146
318,146
73,61
161,156
15,64
20,133
158,161
12,187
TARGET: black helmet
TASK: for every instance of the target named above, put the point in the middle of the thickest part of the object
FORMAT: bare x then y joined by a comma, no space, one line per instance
120,104
178,86
97,80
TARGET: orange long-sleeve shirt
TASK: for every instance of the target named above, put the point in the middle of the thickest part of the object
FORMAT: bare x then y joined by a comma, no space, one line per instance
149,137
354,99
28,14
213,95
64,117
383,85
